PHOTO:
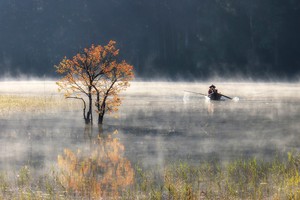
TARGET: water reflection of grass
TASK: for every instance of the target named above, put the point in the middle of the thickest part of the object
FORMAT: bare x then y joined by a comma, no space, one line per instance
239,179
33,104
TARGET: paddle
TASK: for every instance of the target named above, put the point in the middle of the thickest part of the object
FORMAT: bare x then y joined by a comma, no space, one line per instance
195,93
206,95
225,96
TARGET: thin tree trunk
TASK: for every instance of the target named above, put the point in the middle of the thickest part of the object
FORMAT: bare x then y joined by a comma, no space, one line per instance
100,119
101,108
85,116
102,111
89,113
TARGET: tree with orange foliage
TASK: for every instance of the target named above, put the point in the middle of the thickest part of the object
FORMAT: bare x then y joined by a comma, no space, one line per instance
116,80
95,72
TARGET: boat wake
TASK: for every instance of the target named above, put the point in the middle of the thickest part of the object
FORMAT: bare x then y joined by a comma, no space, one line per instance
235,99
186,97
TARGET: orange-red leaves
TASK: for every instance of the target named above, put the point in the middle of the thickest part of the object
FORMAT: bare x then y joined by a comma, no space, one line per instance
96,71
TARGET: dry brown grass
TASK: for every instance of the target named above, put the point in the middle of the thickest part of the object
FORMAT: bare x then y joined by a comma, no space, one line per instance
11,104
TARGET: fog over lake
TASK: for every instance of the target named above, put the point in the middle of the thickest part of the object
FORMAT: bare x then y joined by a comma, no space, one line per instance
158,122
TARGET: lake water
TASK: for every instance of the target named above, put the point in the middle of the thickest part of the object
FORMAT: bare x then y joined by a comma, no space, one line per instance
158,122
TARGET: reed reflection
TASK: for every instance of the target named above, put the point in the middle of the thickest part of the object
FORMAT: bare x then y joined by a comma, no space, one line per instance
100,171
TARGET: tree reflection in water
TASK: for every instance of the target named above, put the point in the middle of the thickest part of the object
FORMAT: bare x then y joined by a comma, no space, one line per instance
101,172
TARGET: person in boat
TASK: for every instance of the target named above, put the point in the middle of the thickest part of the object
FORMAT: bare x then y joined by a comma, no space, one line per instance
213,93
211,89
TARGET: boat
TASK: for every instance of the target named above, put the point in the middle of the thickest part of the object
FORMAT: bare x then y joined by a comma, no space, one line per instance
215,96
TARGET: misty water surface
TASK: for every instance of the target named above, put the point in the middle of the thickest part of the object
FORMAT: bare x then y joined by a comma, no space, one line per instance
159,123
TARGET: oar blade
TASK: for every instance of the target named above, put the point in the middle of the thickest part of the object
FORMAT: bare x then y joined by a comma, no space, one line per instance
226,96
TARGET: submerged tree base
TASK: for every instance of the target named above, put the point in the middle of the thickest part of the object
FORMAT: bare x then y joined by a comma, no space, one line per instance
239,179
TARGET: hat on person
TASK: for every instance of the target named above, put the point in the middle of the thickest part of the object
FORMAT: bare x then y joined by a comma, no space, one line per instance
212,86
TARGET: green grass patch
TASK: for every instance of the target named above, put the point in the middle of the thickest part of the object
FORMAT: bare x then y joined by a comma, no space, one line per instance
238,179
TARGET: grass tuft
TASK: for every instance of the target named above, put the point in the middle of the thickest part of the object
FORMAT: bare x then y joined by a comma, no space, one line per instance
238,179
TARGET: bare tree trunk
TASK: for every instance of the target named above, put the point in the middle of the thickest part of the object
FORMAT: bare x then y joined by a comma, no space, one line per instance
90,114
100,119
85,116
89,118
102,112
102,108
